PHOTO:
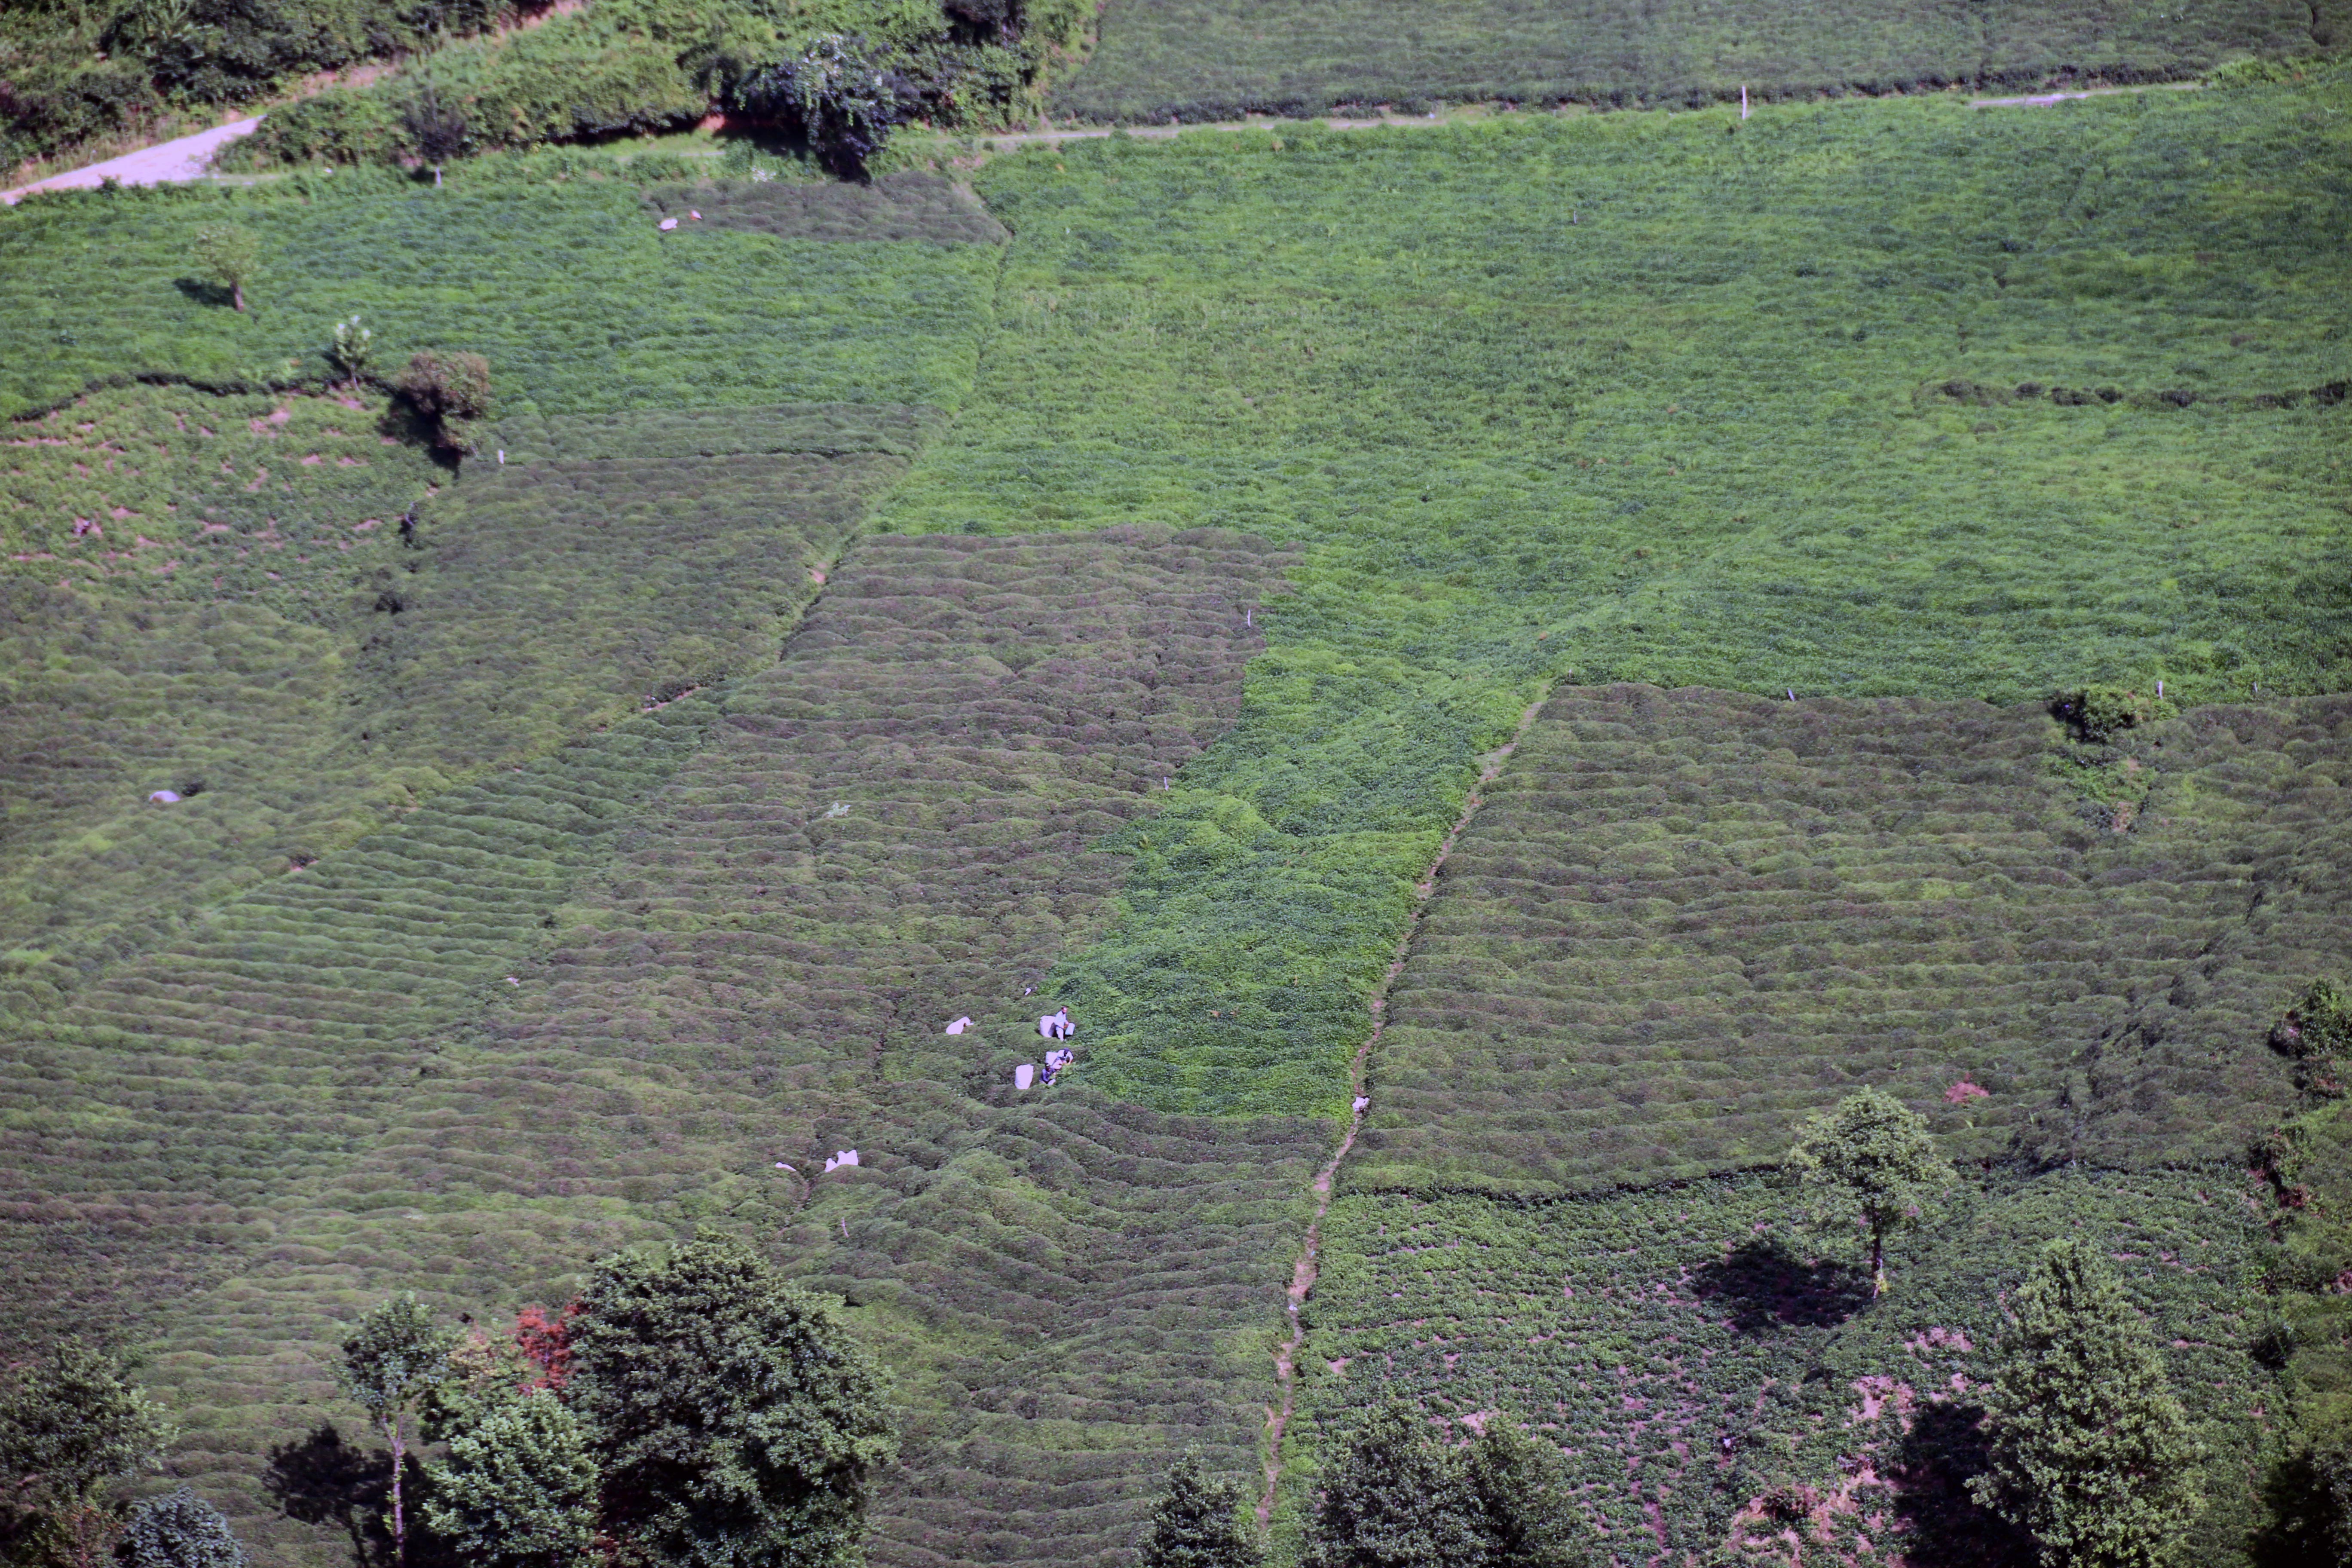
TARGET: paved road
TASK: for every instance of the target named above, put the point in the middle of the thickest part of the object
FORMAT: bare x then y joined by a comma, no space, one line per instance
185,159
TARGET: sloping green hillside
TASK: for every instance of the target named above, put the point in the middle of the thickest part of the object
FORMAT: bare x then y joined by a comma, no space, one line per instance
1209,59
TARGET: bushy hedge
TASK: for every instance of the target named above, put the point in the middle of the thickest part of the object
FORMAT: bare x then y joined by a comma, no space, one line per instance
1213,59
77,72
633,66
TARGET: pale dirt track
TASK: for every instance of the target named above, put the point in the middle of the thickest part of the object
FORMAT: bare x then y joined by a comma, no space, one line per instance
187,157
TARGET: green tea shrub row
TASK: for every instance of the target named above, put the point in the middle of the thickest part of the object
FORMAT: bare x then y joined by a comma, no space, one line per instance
581,305
823,429
891,827
1689,1356
1681,919
300,651
248,1053
908,206
1208,59
1634,398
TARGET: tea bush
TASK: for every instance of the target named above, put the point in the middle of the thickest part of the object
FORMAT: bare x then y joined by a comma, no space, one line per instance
579,303
300,662
1681,920
1668,399
1206,59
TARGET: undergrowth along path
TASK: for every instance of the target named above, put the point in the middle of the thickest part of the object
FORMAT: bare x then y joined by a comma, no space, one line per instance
1304,1272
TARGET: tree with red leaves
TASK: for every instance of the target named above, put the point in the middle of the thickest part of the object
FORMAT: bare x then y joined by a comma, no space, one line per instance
546,1342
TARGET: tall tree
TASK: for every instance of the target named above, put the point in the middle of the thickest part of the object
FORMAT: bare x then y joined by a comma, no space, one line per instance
71,1427
517,1489
178,1530
735,1420
1397,1499
393,1361
1198,1523
2092,1454
1871,1161
1521,1489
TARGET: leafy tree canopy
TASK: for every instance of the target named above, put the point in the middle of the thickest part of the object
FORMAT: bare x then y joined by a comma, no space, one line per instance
1870,1161
73,1425
178,1530
1198,1523
1399,1499
736,1421
2092,1454
517,1489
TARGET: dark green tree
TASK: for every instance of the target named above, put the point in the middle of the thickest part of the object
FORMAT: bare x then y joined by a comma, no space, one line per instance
1397,1499
178,1530
450,390
736,1421
2092,1454
1870,1162
517,1489
1198,1523
393,1361
1521,1489
69,1427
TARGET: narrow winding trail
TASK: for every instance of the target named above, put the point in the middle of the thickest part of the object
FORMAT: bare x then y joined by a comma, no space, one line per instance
1303,1273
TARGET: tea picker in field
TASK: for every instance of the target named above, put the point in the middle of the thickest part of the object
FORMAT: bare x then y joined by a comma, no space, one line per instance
1057,1026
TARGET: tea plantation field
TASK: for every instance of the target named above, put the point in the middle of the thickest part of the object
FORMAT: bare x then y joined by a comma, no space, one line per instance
1106,586
1208,59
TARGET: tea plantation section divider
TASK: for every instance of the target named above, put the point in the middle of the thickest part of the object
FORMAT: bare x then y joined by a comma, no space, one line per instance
1208,60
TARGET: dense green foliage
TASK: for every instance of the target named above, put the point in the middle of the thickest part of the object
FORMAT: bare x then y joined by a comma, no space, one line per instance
1868,1162
1208,60
2092,1454
1400,1496
178,1530
734,1419
1198,1523
1654,399
518,1488
837,75
566,286
72,1424
71,71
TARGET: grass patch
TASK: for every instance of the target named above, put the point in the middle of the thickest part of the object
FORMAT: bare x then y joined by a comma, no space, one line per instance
1209,59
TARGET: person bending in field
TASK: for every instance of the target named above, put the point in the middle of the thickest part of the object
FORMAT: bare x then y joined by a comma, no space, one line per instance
1057,1026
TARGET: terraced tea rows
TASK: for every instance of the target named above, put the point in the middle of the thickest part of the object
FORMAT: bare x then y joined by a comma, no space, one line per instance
1212,60
196,1091
582,303
1681,919
892,826
893,206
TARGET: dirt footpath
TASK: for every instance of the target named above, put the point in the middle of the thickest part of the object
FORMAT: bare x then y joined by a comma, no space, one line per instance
187,157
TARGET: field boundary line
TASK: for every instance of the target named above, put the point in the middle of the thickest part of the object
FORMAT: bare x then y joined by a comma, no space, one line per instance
1304,1272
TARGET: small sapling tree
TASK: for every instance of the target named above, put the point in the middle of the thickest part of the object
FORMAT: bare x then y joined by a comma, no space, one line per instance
438,125
1872,1161
178,1530
69,1427
229,254
1198,1523
517,1489
393,1361
732,1415
450,390
2092,1454
354,350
